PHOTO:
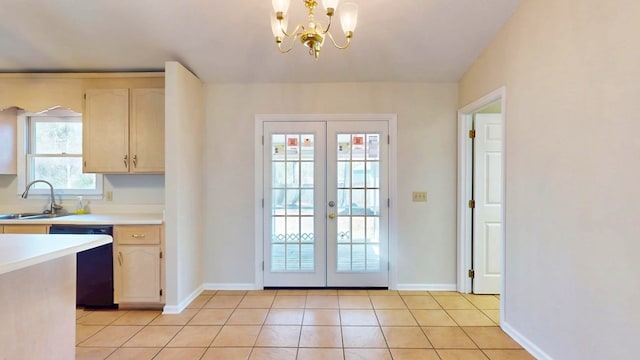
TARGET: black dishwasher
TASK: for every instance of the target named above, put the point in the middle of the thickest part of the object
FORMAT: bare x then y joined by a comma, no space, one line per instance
94,272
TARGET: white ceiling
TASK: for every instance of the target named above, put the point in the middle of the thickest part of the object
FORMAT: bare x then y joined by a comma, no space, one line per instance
231,41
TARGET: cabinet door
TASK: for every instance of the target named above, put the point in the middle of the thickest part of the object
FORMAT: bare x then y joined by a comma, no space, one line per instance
147,131
105,138
8,139
137,274
26,229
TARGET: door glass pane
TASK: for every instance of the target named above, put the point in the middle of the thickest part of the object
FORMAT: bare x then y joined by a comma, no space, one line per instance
344,202
358,200
292,189
373,147
357,147
344,229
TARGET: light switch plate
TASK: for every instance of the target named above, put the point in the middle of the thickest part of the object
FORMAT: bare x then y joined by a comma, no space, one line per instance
419,196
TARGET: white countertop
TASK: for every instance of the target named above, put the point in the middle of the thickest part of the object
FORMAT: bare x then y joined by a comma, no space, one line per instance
93,219
18,251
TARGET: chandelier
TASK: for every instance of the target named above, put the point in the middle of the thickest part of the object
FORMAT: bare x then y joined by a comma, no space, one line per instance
313,34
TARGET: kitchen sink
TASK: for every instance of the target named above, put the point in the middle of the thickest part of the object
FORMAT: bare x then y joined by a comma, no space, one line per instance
27,216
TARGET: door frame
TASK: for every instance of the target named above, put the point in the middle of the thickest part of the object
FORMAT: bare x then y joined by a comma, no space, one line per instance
465,184
260,119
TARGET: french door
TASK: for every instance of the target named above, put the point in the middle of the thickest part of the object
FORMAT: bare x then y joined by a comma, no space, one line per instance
325,204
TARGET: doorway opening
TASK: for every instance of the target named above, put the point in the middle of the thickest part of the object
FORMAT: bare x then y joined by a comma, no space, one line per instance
481,200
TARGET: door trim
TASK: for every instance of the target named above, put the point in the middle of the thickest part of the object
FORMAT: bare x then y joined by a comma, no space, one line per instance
465,121
260,119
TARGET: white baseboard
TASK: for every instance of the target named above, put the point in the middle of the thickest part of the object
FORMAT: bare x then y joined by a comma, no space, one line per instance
427,287
225,286
532,348
177,309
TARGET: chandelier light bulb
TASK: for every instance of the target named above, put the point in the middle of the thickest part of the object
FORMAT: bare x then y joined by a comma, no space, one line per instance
330,4
278,26
280,6
349,17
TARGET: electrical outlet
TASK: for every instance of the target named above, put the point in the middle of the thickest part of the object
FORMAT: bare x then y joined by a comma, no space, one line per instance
108,195
419,196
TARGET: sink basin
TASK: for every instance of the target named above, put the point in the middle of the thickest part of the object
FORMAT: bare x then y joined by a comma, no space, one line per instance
27,216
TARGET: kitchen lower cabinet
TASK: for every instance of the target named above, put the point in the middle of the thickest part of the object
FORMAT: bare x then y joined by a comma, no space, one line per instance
26,229
138,264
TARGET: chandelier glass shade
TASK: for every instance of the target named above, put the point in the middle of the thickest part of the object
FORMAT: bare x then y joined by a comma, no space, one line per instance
313,34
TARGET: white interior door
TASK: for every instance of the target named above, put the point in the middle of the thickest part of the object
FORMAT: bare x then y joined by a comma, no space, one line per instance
487,225
325,204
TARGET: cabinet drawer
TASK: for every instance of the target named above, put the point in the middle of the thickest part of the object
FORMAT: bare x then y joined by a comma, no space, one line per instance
137,235
26,229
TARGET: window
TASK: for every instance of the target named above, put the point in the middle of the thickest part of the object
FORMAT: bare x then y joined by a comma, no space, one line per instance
54,154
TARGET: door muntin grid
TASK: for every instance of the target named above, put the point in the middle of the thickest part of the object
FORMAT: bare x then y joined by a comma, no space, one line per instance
358,202
292,203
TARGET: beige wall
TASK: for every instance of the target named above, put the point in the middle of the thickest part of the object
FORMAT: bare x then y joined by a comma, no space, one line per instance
426,161
184,149
572,150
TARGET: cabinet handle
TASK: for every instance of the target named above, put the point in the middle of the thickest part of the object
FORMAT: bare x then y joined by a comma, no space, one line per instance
135,160
138,236
126,164
120,258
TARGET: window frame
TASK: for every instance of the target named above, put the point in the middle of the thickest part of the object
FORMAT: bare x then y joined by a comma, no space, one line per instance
26,129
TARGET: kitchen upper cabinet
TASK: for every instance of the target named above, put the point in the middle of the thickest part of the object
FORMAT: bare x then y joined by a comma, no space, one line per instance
147,130
8,140
123,131
138,264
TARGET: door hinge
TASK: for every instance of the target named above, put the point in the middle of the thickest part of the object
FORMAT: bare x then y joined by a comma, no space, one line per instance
263,266
263,203
85,96
160,254
472,134
472,204
388,202
472,273
160,292
388,139
85,163
262,139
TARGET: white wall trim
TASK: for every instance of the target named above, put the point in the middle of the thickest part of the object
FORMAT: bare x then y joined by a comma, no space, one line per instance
258,224
524,342
426,287
231,286
392,120
464,192
177,309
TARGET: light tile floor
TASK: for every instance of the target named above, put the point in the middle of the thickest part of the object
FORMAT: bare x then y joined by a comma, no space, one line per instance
304,325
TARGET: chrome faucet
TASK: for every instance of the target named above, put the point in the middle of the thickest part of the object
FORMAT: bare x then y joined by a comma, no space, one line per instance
53,207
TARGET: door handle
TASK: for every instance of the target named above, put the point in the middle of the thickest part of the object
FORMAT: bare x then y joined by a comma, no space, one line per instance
126,163
332,215
120,258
